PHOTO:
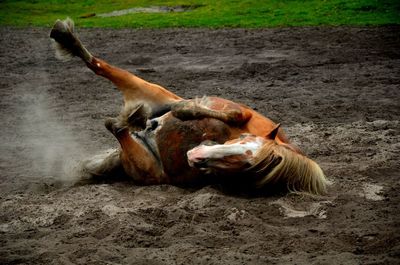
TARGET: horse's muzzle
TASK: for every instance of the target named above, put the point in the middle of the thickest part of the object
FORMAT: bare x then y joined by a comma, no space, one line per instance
195,159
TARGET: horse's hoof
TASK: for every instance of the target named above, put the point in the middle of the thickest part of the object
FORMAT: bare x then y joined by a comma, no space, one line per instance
138,116
112,124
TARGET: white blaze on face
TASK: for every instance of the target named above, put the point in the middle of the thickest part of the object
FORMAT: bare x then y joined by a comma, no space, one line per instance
215,152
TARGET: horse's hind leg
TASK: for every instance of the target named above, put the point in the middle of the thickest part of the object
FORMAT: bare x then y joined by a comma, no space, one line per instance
132,87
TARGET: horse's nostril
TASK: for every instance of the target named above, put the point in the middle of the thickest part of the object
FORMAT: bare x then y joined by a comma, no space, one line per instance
200,162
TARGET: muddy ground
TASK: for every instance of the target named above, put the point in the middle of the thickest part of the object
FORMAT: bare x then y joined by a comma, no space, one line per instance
336,92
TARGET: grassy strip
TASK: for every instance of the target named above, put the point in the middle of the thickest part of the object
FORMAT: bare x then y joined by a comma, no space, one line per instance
208,13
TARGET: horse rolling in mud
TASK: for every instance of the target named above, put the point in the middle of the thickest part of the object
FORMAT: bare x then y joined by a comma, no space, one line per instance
167,139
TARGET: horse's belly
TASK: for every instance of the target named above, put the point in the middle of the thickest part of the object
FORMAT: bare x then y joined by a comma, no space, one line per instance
175,137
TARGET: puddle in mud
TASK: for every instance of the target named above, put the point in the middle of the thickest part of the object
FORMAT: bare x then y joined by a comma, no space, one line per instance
316,209
150,9
372,192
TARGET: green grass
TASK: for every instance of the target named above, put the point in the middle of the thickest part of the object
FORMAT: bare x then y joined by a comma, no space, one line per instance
209,13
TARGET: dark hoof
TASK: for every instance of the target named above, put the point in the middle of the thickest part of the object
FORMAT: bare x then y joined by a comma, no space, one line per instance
138,116
62,33
112,124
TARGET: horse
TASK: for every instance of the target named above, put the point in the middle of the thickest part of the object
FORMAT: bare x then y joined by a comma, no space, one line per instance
165,139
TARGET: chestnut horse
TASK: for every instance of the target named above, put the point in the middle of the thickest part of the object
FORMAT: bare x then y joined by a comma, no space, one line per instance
167,139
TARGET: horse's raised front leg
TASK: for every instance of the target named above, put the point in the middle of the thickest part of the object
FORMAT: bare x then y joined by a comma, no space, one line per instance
132,87
231,113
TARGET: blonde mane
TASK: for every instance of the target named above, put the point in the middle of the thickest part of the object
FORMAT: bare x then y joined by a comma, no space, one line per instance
275,163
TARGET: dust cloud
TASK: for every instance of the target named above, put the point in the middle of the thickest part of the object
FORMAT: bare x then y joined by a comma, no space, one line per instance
51,146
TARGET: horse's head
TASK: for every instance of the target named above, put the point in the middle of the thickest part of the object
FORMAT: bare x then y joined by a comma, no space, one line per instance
232,156
264,159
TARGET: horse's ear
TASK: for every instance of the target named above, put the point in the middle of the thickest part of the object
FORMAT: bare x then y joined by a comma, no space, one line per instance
272,134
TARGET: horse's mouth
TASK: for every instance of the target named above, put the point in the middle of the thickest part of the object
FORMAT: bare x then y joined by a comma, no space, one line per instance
201,165
198,163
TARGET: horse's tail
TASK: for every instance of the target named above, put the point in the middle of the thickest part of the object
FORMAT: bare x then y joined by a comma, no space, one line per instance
103,167
278,164
67,43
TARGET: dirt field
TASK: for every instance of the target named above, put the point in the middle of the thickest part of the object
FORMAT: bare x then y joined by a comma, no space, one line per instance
336,92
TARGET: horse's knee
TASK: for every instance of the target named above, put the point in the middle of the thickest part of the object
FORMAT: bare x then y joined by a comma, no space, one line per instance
187,110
